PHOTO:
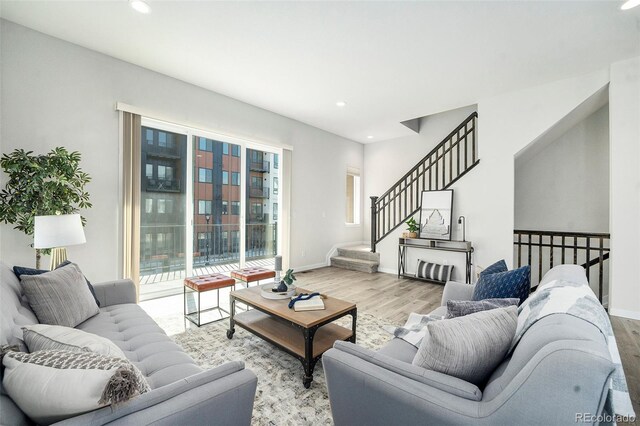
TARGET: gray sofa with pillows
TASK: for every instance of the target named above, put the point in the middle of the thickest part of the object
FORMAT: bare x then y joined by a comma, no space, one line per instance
181,392
560,367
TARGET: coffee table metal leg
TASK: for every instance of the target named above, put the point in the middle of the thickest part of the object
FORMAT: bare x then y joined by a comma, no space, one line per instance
232,308
309,362
354,315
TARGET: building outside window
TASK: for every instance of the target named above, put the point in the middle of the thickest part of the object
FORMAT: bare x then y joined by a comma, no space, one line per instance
225,207
165,172
235,178
275,161
148,208
205,144
225,177
235,150
149,171
161,206
204,207
149,136
275,211
256,182
168,206
235,207
162,139
275,186
225,148
205,175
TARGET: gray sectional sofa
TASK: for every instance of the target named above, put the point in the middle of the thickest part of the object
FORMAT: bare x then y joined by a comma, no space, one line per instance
182,393
559,368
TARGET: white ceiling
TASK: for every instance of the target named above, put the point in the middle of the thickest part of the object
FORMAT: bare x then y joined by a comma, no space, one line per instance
390,61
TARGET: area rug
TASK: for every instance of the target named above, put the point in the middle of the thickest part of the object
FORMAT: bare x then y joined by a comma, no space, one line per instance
281,399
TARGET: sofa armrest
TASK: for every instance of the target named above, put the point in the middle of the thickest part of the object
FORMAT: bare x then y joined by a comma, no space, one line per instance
115,292
223,395
363,393
454,290
441,381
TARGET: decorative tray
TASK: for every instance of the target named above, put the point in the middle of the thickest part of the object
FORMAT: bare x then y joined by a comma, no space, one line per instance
268,294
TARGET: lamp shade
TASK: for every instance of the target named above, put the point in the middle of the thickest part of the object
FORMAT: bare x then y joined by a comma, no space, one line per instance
58,231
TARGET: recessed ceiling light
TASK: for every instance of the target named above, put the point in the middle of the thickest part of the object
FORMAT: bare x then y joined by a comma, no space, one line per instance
369,137
341,104
140,6
629,4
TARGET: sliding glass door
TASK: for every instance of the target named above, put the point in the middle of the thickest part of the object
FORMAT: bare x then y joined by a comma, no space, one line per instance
216,195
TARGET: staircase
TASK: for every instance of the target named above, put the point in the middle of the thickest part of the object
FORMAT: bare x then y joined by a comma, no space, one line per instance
357,258
449,161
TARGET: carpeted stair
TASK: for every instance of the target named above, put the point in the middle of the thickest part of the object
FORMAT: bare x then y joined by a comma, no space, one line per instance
357,258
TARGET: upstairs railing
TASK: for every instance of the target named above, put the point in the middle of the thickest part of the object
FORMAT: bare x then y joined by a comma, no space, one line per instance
542,250
439,169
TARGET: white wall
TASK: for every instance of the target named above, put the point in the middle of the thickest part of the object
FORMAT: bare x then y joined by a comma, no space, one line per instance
624,104
387,161
58,94
565,186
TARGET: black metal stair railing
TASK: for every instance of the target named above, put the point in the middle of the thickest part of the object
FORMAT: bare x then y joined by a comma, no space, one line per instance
451,159
542,250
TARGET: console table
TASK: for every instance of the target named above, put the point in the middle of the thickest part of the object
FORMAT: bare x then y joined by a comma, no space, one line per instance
421,243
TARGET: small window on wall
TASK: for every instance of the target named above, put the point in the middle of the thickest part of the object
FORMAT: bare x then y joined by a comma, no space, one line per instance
225,148
225,177
235,150
204,207
353,198
235,178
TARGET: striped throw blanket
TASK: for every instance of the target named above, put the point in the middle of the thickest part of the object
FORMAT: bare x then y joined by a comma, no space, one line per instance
414,329
564,297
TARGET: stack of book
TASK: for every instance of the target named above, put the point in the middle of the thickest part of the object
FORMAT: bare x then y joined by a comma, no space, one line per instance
313,304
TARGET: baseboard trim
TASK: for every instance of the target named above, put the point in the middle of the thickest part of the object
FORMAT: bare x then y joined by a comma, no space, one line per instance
309,267
634,315
388,271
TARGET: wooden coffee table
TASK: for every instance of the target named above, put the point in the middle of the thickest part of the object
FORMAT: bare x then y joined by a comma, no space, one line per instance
306,335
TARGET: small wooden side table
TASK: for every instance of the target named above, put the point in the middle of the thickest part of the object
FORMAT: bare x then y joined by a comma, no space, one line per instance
203,284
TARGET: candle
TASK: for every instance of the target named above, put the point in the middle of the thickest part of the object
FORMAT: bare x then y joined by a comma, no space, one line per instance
278,263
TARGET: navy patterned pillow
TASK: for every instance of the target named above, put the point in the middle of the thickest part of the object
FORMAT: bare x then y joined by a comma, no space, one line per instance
499,266
23,270
516,283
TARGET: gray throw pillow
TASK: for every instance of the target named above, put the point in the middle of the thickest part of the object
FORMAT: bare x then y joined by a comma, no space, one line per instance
468,347
460,308
60,297
39,337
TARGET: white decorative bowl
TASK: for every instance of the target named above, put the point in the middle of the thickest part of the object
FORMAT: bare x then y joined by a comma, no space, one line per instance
268,294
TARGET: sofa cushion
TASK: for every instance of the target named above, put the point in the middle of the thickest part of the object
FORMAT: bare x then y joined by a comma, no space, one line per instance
516,283
60,297
399,349
40,337
143,342
460,308
468,347
14,311
53,385
23,270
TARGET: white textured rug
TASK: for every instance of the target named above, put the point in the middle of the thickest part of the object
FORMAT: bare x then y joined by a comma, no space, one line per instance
281,399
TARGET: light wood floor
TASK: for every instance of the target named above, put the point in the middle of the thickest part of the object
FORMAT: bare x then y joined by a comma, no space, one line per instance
387,297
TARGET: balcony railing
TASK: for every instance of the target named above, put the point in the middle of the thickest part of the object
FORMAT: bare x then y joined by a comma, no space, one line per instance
171,152
163,185
212,244
259,166
258,192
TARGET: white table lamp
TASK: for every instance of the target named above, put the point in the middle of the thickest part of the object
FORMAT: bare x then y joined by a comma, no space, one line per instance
56,232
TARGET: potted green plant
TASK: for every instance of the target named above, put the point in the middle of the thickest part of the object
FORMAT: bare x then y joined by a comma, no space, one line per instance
412,227
40,185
